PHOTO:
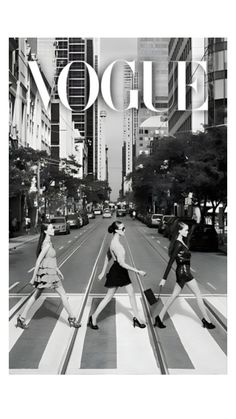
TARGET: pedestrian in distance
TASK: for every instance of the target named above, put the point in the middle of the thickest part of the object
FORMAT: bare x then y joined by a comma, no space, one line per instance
117,276
179,252
46,276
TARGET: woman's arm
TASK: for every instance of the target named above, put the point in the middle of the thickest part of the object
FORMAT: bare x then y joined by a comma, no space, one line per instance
108,257
175,251
101,275
39,260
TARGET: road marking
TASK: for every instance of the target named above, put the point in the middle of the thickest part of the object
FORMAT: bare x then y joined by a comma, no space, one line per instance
210,285
165,247
66,361
61,247
191,269
30,270
13,285
76,237
69,241
153,237
158,241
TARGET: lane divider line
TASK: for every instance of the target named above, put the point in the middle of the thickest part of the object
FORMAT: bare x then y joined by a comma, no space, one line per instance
158,353
13,285
212,286
67,356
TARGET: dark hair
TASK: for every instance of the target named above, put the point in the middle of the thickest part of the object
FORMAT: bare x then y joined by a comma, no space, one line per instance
41,238
178,227
114,226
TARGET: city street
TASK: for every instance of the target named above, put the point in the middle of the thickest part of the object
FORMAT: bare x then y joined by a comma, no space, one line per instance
50,346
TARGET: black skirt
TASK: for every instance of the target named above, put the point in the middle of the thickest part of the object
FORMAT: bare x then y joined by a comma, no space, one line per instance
183,275
117,276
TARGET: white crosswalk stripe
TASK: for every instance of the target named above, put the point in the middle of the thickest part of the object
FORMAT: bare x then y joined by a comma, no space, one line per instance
134,349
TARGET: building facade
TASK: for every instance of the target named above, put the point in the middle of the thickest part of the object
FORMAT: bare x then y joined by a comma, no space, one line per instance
188,50
101,147
75,50
155,50
217,81
130,125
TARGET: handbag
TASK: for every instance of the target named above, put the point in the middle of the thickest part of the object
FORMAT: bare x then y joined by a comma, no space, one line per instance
150,296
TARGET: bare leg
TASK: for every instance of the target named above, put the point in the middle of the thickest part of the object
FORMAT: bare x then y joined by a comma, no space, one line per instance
60,290
170,301
103,303
195,289
133,302
30,302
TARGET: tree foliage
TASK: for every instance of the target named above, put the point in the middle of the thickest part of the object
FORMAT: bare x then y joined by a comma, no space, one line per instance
190,163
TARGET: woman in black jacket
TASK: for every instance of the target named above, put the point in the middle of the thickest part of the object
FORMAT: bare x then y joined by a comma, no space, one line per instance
179,252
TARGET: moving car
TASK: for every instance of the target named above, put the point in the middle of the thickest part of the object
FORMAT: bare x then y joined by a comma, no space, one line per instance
60,225
97,211
106,214
73,220
153,220
120,212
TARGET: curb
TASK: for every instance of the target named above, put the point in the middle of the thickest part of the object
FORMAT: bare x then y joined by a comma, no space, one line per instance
14,245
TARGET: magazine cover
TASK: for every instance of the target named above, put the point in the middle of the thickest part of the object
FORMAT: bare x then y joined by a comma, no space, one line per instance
117,206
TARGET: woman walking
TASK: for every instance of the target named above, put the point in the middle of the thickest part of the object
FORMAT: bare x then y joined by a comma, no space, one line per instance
117,276
179,251
46,276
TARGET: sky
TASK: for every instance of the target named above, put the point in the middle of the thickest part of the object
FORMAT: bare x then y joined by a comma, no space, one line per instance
112,49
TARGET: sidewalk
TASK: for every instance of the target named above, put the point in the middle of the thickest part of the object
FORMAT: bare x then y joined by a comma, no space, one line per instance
18,241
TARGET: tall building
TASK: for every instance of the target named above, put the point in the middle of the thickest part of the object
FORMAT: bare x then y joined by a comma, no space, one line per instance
96,112
184,49
77,49
151,129
216,49
130,124
18,87
101,149
155,50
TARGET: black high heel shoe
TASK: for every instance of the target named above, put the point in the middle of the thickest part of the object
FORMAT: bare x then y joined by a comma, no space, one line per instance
159,323
136,322
73,323
20,322
90,324
207,325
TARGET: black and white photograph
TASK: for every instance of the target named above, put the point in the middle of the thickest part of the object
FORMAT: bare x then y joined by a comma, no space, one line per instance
117,210
117,205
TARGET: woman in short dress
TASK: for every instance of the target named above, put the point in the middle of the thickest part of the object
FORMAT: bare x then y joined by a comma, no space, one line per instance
46,276
179,252
117,276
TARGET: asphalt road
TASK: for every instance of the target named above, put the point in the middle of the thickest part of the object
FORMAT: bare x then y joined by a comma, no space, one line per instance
77,252
49,346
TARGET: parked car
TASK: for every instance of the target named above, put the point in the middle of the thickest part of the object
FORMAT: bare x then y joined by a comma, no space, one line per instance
91,215
153,220
60,225
203,237
106,214
73,220
97,211
141,217
84,216
165,219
